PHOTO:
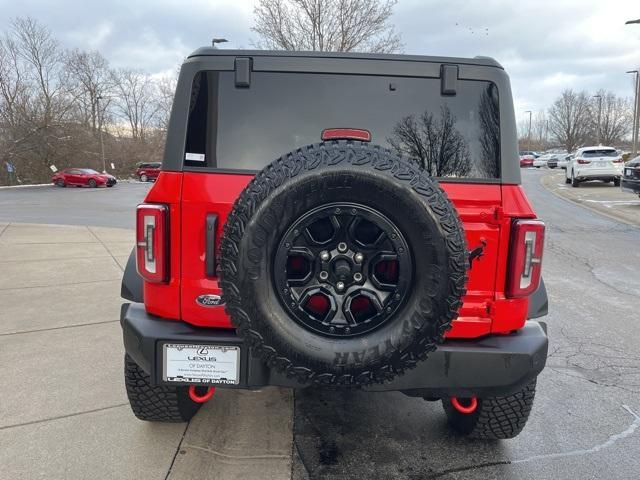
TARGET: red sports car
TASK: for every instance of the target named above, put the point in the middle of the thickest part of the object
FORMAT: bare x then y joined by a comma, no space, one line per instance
83,177
526,161
148,171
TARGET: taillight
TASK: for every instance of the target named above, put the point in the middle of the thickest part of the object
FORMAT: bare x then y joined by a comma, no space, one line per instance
152,242
618,160
582,161
525,258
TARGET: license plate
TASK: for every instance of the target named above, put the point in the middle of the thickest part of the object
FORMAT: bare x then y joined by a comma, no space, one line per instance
201,364
628,172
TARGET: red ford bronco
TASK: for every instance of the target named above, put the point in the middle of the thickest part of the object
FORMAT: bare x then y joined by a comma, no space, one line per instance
338,220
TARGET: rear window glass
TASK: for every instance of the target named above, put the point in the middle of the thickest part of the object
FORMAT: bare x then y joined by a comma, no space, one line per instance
599,153
246,128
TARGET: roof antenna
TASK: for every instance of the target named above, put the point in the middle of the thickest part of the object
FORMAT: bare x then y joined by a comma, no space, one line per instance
217,40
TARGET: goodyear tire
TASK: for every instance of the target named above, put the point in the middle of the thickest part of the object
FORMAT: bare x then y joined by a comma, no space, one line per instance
156,403
495,418
400,215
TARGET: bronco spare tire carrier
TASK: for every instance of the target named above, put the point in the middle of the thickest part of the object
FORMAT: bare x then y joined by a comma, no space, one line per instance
343,264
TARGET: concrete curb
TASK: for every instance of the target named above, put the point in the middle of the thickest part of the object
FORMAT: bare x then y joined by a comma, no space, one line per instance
120,180
25,186
556,192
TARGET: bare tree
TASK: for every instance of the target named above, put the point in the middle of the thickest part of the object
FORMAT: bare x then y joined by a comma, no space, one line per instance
434,142
489,166
52,101
615,117
327,25
570,119
165,90
540,130
92,84
35,101
135,103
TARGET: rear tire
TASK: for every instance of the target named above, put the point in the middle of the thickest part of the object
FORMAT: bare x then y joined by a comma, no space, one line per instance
155,403
574,181
495,418
616,182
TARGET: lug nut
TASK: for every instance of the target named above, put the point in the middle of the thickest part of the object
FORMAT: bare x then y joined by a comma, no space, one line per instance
358,257
324,275
357,276
324,256
342,247
340,286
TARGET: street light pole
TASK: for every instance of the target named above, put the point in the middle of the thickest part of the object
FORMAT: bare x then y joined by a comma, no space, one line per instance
636,103
529,135
599,97
104,165
636,107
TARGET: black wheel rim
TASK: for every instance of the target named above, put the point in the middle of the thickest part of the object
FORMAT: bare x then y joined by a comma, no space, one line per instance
342,270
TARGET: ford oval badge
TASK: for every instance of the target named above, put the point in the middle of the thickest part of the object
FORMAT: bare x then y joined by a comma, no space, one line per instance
209,300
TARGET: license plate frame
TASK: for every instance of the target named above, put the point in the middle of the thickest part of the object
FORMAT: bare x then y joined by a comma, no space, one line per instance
206,364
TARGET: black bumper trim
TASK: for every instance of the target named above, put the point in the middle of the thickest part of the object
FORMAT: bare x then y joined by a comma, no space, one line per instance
631,185
489,366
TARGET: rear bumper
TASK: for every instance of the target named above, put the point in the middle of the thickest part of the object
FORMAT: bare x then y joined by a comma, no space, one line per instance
630,185
597,173
489,366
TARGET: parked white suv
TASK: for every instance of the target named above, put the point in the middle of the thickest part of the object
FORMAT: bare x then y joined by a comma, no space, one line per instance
564,160
594,163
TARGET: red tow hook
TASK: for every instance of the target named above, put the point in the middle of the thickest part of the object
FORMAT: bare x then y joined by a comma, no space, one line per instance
193,395
466,409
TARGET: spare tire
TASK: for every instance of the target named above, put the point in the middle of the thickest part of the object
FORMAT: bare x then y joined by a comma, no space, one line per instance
343,263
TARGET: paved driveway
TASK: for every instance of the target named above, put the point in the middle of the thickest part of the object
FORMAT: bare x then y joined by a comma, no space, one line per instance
109,207
63,411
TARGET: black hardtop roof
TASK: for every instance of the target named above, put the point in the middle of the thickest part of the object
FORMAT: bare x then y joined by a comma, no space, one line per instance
479,60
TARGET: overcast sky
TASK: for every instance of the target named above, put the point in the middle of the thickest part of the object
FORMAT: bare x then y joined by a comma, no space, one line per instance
544,45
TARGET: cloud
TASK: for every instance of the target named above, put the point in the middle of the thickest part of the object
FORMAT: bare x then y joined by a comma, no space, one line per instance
545,45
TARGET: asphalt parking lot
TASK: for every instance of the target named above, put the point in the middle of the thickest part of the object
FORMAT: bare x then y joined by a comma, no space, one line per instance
64,413
601,197
107,207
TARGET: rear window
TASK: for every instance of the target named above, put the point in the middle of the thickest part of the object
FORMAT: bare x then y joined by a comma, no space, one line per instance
599,153
233,128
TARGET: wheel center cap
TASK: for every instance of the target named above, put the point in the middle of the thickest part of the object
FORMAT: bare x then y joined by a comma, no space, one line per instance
342,268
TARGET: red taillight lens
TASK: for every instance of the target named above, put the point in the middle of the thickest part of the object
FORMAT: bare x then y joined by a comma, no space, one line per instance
617,160
346,134
152,242
582,161
525,258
